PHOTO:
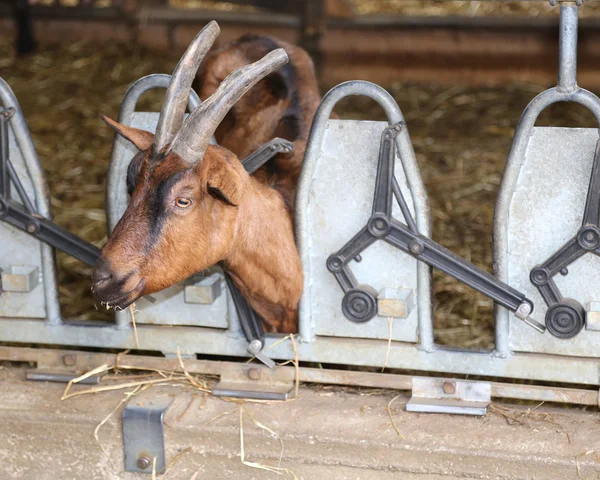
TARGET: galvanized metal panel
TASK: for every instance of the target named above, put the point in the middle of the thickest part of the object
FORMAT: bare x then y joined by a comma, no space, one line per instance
547,210
20,249
340,204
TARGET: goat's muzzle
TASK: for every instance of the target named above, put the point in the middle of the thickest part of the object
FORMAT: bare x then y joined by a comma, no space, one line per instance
111,290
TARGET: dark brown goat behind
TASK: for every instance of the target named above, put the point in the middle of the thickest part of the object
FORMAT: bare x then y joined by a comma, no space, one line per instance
193,204
281,105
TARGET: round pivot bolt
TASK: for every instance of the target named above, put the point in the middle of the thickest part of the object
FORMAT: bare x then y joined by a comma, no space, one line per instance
415,247
539,276
589,238
334,264
360,304
378,225
565,319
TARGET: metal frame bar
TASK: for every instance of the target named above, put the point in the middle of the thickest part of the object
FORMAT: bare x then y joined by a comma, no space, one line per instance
329,350
5,115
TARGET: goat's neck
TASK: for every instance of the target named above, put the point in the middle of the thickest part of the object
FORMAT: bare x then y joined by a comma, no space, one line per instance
263,260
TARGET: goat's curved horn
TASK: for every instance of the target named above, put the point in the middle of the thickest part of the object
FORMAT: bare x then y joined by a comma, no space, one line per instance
176,99
195,134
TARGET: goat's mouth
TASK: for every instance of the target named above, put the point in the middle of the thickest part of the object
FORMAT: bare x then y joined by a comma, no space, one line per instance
117,299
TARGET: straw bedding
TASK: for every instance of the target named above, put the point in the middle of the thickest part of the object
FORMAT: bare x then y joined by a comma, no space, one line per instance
472,8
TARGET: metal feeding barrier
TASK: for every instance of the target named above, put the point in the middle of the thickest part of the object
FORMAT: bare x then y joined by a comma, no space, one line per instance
363,229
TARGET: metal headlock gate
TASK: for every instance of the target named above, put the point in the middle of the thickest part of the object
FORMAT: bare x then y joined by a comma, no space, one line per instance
366,256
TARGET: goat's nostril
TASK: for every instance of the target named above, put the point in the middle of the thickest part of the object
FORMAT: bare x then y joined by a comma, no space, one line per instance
101,271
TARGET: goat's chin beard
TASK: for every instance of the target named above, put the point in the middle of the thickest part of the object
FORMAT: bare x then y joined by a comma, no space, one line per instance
120,301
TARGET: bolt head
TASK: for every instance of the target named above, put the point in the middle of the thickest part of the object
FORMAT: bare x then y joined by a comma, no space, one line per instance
415,248
449,387
143,463
69,359
254,373
255,346
31,228
525,309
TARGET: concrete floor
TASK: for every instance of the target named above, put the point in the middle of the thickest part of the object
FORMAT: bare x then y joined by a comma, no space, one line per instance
327,433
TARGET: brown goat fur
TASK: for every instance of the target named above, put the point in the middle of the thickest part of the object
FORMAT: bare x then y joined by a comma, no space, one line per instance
232,218
281,105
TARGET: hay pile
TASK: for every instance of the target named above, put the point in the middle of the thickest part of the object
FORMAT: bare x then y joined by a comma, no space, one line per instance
473,8
434,8
461,136
428,8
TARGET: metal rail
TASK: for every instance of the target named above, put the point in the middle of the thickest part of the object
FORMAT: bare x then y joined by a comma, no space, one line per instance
86,361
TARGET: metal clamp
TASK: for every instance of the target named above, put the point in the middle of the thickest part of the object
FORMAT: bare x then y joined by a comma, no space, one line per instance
360,302
143,433
448,395
261,156
250,323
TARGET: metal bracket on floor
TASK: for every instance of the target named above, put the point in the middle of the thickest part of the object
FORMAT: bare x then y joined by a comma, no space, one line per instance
255,381
143,432
448,395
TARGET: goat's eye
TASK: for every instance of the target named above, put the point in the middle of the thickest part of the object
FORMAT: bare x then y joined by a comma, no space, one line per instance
183,202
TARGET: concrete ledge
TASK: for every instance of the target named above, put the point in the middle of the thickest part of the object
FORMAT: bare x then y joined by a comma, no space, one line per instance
327,433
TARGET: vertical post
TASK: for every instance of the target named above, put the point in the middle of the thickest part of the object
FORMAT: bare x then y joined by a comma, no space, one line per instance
314,24
4,175
25,43
567,56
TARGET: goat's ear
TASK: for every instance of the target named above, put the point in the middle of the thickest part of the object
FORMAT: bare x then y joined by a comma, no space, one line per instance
140,138
223,181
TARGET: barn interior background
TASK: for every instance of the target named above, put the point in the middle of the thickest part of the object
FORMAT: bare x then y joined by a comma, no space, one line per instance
461,71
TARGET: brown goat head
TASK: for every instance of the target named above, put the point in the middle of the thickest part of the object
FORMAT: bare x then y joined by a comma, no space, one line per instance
186,195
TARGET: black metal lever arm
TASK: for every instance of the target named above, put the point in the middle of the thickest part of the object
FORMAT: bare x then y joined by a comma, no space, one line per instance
435,255
261,156
424,250
48,232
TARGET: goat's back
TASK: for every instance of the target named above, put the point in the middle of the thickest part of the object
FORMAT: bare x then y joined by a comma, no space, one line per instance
282,105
